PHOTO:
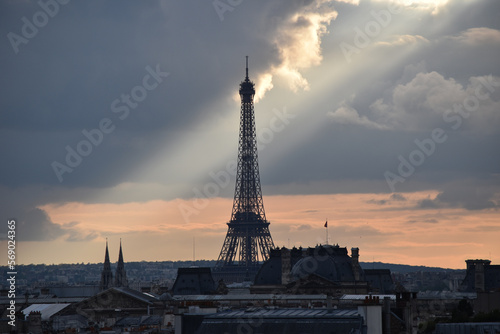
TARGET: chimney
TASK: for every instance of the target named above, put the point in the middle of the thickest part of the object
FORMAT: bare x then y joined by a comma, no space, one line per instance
479,274
286,266
386,314
35,322
356,268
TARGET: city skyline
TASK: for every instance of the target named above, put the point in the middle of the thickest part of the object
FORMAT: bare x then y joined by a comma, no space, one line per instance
120,120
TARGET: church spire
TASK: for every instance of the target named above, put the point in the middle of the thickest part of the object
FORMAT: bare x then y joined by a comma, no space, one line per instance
120,274
106,274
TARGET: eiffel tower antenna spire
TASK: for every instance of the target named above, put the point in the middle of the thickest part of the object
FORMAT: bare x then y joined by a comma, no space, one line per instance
246,78
248,241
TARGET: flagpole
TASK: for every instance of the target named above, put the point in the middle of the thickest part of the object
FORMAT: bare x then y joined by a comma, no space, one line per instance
326,226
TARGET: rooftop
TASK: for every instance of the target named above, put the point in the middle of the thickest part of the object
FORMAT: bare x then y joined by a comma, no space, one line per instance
47,310
284,313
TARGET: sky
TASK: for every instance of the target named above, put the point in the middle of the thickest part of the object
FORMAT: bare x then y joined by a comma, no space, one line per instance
119,120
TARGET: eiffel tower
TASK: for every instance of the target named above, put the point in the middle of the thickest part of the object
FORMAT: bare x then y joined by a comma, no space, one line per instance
248,240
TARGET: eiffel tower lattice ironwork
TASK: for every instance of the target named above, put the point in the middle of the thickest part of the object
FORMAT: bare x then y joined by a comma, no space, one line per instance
248,240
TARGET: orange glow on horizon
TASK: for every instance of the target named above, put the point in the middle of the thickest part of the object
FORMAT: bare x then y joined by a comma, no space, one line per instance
386,230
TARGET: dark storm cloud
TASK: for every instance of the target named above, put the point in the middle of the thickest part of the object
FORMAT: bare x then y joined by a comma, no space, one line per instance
484,229
80,69
91,54
65,79
467,194
395,197
398,197
33,224
430,221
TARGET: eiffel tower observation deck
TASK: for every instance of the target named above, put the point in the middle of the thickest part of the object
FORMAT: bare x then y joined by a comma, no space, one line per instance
248,241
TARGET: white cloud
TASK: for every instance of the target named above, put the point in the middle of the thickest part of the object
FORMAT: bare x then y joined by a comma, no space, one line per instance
478,36
297,40
348,115
352,2
400,40
422,103
434,6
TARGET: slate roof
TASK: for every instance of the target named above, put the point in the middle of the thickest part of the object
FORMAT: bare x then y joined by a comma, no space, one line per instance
144,297
150,320
47,310
327,261
193,281
285,313
285,321
362,297
264,297
470,327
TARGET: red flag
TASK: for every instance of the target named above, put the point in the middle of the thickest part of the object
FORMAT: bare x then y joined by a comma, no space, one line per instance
326,223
